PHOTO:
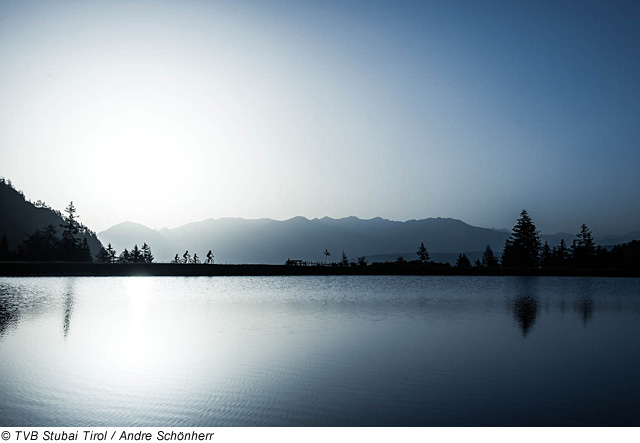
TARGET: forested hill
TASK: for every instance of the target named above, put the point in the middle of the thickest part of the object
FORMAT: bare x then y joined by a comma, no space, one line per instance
20,218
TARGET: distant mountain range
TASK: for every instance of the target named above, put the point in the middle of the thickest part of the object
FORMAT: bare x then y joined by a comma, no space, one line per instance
237,240
20,218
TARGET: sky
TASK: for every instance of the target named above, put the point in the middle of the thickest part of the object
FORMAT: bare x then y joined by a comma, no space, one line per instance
169,112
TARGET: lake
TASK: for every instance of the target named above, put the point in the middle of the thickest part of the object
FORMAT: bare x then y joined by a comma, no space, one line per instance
319,351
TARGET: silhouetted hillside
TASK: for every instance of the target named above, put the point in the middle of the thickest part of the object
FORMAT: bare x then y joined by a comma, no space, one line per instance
20,218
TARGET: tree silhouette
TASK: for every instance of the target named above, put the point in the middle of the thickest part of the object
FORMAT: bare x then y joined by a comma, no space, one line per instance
584,248
463,261
136,255
344,262
525,309
423,255
147,256
327,253
102,256
362,261
546,256
111,253
41,246
71,227
209,260
561,255
489,260
125,256
400,260
522,248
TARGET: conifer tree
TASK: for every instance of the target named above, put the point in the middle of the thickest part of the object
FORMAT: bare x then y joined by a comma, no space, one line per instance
111,254
136,255
103,255
521,250
463,261
71,227
584,248
423,255
561,255
546,256
125,256
345,261
489,260
147,256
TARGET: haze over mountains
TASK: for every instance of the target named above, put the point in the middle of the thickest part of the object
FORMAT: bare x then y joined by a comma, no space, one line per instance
237,240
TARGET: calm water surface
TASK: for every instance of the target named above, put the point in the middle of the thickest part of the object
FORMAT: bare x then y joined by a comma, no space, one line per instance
344,350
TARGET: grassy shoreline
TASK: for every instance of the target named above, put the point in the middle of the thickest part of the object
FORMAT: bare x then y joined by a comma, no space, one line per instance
61,269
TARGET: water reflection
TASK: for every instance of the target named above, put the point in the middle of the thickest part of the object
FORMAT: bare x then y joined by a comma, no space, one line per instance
525,303
525,309
8,311
585,308
68,308
585,305
318,351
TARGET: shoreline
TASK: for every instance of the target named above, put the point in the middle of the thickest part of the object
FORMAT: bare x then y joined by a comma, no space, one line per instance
65,269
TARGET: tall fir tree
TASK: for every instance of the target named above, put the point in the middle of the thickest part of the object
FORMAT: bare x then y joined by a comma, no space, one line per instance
522,248
125,256
344,262
584,248
423,254
111,254
136,255
561,255
489,260
463,261
70,228
147,256
546,256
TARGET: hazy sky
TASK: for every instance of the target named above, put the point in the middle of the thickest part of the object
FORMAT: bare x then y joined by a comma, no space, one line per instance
166,112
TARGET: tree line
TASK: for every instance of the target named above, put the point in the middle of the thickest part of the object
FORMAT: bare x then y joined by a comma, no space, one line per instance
523,250
71,246
46,245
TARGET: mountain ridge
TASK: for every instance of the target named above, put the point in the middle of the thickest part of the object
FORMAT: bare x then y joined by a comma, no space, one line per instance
269,241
